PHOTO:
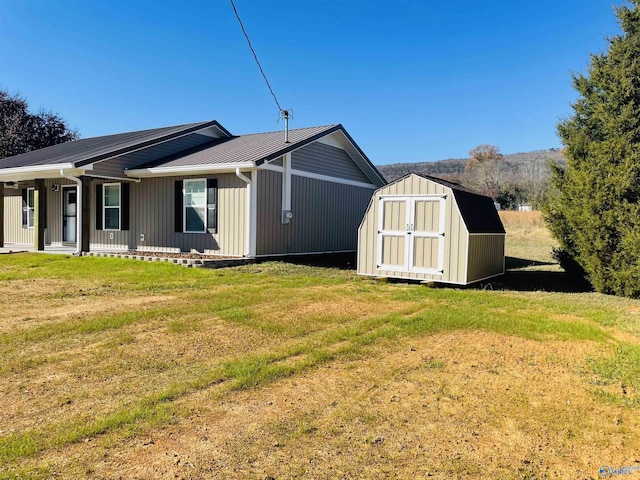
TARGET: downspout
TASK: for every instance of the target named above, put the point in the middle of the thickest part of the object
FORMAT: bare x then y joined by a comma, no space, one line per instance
247,180
78,211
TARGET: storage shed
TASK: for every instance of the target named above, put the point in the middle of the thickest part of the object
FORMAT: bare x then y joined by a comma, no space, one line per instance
424,228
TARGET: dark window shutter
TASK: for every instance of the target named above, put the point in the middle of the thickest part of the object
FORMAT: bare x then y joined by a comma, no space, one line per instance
99,206
212,205
178,206
124,206
25,209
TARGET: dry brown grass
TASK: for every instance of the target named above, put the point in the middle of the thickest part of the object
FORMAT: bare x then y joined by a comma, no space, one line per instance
384,393
454,405
527,236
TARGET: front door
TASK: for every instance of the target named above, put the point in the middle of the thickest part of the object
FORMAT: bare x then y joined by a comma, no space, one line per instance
411,233
69,214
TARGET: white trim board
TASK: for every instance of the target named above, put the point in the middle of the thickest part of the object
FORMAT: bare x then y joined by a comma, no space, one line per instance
317,176
186,170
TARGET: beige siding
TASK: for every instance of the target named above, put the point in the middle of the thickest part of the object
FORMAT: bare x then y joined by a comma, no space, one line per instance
456,235
325,215
14,233
486,256
152,213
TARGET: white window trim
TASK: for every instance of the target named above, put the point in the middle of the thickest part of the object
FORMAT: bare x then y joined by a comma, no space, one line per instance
31,208
105,206
184,205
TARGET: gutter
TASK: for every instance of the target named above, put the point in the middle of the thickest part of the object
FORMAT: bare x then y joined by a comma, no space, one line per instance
78,211
243,177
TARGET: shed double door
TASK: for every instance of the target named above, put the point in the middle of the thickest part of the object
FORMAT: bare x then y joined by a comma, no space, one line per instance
411,233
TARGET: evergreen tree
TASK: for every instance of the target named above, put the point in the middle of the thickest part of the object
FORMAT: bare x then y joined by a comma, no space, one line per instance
595,211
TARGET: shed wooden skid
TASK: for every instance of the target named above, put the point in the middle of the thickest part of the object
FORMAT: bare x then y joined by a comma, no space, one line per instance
427,229
191,188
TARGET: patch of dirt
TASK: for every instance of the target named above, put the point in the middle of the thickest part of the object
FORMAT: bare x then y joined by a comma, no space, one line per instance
462,404
81,303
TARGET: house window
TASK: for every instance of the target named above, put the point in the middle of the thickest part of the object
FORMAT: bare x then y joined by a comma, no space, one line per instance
195,206
31,207
112,206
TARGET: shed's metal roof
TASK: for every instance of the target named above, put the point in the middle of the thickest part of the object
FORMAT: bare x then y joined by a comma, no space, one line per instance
89,150
478,211
252,148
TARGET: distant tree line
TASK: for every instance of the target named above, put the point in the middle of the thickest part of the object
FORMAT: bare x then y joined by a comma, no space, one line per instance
22,131
511,180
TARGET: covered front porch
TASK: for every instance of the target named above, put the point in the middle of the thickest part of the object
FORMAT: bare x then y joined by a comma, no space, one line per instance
11,247
50,215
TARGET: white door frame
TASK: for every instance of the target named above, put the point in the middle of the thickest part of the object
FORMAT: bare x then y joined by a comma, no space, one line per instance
66,188
409,234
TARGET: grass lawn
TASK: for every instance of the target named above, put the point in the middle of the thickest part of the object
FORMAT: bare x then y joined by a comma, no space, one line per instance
123,369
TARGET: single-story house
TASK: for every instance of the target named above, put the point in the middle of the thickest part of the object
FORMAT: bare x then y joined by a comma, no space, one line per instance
191,188
425,228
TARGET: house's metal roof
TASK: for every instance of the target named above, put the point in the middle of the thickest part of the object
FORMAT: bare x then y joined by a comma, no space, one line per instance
89,150
255,148
224,150
478,211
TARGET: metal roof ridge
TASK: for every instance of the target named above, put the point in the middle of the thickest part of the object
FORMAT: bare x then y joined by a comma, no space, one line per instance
290,130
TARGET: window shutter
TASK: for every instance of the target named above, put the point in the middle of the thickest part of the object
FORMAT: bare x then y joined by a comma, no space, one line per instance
212,205
178,206
25,209
124,206
99,206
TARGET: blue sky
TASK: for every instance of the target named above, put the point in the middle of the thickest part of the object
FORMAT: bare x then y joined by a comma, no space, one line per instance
410,80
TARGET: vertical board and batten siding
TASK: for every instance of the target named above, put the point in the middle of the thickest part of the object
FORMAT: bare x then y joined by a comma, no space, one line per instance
325,215
327,160
13,231
152,207
115,167
456,236
486,256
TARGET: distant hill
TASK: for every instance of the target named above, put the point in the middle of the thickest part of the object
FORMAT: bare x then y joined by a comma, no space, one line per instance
452,168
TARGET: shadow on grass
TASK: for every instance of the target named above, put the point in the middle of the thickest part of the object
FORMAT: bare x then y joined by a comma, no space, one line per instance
341,260
535,281
512,263
519,279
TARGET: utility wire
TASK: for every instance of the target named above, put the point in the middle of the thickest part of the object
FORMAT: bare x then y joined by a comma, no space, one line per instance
284,113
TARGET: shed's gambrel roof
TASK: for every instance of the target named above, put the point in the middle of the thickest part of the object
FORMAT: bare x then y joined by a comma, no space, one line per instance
82,152
478,211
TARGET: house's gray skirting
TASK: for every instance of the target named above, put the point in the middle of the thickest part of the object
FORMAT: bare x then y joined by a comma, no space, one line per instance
185,262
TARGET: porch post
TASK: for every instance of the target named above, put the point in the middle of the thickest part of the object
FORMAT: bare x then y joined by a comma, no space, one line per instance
39,215
1,214
86,213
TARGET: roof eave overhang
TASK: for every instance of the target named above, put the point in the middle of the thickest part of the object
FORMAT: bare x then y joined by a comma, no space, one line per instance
188,170
19,174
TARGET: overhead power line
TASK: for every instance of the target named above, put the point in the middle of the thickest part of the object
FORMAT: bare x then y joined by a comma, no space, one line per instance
283,113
